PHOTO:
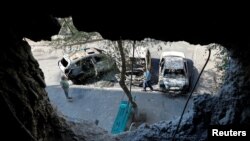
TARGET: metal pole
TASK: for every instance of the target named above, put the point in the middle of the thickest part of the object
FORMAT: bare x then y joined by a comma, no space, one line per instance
132,61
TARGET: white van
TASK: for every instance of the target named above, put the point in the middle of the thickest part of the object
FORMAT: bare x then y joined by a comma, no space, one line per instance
81,65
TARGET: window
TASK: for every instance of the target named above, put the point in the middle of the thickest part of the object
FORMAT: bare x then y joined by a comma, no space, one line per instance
167,71
78,63
185,65
173,72
85,64
179,72
64,62
98,58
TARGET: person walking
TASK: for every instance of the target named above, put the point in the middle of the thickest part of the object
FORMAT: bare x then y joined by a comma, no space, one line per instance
65,86
147,79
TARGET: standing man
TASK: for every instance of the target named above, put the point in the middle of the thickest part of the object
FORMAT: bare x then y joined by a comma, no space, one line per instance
147,78
65,86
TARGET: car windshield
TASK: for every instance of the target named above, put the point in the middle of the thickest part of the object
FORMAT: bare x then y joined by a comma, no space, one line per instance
174,73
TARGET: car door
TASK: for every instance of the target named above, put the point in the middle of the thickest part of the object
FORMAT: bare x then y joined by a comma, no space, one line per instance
74,70
88,67
101,63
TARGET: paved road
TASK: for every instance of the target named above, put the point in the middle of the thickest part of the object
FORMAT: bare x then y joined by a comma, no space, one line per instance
102,104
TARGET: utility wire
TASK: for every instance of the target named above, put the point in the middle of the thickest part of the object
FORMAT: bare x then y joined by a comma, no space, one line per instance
173,139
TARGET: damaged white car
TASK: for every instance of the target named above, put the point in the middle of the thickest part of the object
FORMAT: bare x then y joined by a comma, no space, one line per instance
85,64
174,74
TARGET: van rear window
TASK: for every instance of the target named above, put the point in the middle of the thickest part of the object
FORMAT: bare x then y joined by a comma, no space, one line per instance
64,62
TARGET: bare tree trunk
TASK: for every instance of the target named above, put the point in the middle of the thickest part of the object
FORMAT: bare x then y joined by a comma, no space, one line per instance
122,80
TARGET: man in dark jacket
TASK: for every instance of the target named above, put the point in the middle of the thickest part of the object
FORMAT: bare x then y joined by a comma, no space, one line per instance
147,78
